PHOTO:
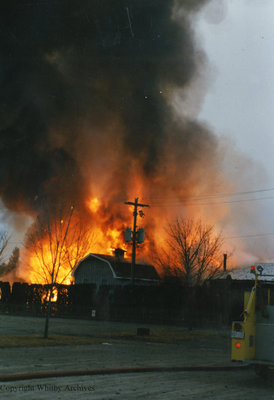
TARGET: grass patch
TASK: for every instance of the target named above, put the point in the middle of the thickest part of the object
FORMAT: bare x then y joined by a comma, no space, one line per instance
159,335
39,341
168,335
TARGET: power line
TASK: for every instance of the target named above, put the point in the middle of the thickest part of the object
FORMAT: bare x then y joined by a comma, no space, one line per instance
172,201
214,195
236,201
180,203
250,236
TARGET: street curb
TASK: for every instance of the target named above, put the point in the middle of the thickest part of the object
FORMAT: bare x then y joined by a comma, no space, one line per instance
112,371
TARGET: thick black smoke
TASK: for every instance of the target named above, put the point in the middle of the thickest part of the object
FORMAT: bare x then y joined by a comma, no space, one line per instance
101,61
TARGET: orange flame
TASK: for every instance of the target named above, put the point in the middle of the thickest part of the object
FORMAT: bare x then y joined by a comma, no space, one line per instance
93,204
105,216
104,232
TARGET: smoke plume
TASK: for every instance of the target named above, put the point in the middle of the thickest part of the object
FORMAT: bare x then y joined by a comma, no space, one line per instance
86,91
87,107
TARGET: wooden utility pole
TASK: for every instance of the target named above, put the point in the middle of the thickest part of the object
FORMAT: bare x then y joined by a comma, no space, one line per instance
225,260
135,214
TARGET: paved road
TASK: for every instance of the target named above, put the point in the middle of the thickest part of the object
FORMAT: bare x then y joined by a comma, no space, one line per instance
215,350
151,386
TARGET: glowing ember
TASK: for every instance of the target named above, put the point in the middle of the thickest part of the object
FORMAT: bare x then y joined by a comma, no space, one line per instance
53,298
94,204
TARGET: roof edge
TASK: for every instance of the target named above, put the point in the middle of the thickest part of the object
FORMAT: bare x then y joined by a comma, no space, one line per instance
99,258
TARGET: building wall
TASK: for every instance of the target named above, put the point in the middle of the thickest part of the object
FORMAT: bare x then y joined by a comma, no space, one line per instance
95,271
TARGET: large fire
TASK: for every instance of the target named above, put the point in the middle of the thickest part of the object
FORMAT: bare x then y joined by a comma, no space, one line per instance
47,258
100,229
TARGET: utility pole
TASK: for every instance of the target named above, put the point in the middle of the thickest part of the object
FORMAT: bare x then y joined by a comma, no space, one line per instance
135,214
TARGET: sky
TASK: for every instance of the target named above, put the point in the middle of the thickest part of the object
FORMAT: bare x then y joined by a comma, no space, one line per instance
238,38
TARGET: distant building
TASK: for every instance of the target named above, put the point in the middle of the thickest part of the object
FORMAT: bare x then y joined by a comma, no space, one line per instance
113,270
243,273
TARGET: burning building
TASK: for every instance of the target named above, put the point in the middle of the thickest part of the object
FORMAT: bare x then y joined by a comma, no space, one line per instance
88,116
113,270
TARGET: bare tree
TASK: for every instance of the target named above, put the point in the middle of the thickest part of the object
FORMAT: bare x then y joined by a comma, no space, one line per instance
56,242
12,264
78,244
193,252
192,255
4,240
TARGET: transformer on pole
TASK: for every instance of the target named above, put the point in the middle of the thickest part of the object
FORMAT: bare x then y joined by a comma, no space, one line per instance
136,236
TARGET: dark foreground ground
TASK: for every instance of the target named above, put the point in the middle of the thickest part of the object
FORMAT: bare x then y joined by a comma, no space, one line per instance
213,349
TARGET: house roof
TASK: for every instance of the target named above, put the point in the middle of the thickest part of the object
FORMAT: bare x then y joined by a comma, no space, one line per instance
243,273
122,269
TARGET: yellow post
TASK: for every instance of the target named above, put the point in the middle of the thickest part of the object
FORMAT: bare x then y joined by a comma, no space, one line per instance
243,333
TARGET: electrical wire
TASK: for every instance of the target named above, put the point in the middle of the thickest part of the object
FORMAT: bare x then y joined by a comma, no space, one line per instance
178,203
210,196
249,236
